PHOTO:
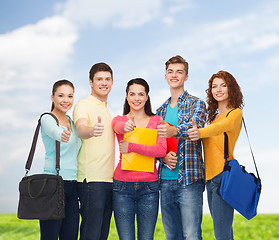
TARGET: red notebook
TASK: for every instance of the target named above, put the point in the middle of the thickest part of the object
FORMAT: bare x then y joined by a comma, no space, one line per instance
172,143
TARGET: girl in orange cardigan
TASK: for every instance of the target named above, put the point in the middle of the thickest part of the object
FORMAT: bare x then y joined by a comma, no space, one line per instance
223,96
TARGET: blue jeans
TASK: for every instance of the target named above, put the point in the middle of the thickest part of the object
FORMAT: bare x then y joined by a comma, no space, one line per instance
135,198
221,212
66,228
95,209
182,210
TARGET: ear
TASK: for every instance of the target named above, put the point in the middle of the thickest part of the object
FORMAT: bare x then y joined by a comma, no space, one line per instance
51,97
91,82
186,78
147,97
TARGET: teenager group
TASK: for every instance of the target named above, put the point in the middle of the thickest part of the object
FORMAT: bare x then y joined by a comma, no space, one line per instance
94,188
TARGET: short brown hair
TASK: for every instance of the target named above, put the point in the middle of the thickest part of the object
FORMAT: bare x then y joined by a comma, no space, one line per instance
99,67
178,59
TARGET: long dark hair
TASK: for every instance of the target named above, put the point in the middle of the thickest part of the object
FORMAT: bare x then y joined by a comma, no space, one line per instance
234,92
147,106
57,85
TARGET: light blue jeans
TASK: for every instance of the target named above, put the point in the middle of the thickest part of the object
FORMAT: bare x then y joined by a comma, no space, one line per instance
182,210
221,212
135,198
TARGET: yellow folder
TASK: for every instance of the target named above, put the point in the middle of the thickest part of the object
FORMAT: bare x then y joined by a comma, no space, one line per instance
135,161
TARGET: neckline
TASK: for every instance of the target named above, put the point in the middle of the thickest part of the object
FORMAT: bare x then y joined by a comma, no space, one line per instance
147,123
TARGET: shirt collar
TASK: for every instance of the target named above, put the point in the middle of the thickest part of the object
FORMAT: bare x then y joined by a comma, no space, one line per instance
97,101
184,95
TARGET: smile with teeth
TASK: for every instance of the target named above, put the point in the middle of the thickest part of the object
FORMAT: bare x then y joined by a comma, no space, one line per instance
65,105
137,103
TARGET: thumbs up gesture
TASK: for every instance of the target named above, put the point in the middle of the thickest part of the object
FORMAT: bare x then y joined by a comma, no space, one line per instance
98,128
66,134
130,124
194,133
165,130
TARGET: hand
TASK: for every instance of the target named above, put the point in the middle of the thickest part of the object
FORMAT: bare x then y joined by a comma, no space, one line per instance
171,159
98,128
123,146
66,134
194,133
130,124
165,130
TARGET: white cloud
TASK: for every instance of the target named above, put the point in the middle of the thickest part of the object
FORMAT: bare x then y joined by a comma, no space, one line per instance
181,5
121,13
35,52
169,21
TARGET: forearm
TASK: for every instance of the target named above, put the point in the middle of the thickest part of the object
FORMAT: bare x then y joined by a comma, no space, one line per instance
172,131
50,128
118,126
157,150
199,116
84,132
225,125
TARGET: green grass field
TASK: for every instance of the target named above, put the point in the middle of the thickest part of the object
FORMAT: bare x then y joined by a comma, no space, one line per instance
262,227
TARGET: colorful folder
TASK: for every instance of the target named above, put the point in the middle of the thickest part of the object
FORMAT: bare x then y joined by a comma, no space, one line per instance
135,161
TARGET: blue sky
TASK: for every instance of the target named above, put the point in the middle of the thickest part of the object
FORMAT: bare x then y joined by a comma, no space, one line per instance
43,41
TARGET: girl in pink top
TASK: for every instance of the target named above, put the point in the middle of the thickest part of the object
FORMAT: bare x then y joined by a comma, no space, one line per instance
135,192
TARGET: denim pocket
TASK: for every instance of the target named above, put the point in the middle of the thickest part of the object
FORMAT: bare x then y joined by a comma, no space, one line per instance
153,186
118,187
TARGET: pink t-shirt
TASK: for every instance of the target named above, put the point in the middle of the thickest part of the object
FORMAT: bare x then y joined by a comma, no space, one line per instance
157,150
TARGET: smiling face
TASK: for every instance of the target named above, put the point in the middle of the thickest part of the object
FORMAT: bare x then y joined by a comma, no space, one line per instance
176,75
63,98
136,97
220,91
101,85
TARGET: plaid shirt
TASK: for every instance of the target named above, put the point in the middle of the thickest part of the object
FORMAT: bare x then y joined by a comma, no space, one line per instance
191,166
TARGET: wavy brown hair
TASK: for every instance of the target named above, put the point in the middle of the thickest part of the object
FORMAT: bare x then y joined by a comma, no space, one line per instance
234,92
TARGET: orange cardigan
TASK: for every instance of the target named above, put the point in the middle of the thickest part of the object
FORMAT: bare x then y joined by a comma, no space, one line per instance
213,141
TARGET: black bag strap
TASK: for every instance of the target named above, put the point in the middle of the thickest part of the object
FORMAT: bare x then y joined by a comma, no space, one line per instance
226,145
34,143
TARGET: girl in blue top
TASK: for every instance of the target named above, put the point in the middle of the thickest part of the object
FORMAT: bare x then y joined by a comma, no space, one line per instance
62,100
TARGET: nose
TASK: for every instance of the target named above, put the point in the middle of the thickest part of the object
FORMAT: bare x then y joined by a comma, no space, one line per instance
104,82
